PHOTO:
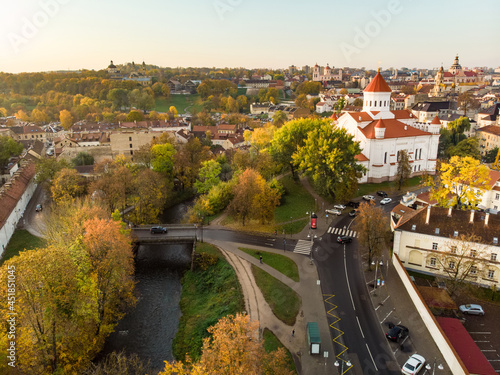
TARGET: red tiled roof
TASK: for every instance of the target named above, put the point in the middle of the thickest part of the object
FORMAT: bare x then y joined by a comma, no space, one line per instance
402,114
361,157
470,354
393,129
494,177
19,184
492,129
378,84
363,115
436,121
380,124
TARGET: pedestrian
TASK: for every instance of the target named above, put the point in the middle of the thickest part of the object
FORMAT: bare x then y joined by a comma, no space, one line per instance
293,333
260,259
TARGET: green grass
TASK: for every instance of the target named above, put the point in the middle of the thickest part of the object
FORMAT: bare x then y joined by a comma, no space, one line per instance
283,300
206,297
279,262
21,240
387,186
272,343
180,102
296,203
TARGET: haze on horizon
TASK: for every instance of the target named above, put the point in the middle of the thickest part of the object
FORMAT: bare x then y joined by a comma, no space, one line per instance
46,35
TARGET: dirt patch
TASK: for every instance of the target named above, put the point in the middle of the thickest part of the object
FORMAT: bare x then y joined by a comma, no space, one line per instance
436,297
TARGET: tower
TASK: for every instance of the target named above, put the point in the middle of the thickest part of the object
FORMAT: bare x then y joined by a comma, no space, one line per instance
377,95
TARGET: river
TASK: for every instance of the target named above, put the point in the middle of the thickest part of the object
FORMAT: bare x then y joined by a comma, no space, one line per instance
149,329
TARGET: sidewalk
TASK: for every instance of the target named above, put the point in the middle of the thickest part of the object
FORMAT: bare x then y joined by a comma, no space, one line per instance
312,310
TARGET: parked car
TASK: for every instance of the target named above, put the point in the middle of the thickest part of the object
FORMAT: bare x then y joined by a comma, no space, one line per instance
413,365
38,208
339,207
353,213
368,197
386,200
353,204
397,332
382,193
472,309
344,239
159,230
334,212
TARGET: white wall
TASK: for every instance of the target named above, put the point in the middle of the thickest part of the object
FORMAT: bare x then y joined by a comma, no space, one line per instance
448,352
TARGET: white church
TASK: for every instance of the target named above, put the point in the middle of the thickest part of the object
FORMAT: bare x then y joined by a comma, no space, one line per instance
383,134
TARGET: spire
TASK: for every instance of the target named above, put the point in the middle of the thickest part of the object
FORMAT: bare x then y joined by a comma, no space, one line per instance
378,84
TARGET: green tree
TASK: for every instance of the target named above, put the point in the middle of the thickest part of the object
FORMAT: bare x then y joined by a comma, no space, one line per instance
404,168
339,105
150,192
208,176
187,161
83,158
162,158
8,148
142,99
135,115
67,185
490,155
328,157
460,183
47,168
279,118
466,147
358,102
119,97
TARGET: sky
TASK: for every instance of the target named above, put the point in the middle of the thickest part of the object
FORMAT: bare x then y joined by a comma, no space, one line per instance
44,35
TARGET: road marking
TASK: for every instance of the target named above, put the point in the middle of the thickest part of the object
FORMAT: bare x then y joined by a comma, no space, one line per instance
488,350
359,325
387,316
481,341
347,279
386,298
480,333
269,244
374,364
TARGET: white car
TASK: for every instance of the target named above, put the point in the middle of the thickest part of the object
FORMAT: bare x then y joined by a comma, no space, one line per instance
368,197
413,365
386,200
472,309
339,207
333,212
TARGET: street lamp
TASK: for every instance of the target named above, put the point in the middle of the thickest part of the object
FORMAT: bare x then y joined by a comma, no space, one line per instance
348,364
381,263
428,366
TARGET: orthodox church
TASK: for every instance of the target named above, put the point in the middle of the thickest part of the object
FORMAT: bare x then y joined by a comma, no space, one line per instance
383,134
455,77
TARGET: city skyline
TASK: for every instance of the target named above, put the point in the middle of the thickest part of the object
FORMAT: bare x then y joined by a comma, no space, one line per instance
48,35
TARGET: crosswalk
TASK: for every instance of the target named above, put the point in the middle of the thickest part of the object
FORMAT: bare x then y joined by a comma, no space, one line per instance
342,232
303,247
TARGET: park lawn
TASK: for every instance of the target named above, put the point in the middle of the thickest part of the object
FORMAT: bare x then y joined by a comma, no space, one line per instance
21,240
207,295
283,300
272,343
279,262
387,186
180,102
297,202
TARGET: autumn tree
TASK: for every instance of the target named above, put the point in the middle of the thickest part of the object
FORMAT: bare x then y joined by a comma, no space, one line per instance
461,259
467,102
66,119
187,161
172,111
67,185
8,148
135,115
404,168
234,347
328,157
253,198
112,186
279,118
149,196
460,183
373,229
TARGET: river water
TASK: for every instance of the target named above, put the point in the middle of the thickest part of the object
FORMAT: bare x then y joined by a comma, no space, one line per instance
149,329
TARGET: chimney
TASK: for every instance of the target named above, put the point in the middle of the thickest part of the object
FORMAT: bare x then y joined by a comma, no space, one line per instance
449,211
486,218
428,214
471,220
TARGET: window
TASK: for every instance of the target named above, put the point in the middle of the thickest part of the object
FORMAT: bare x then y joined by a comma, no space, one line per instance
455,233
434,246
491,274
131,145
385,158
453,249
495,240
473,253
130,139
452,265
433,262
375,103
497,196
436,231
493,256
131,152
473,270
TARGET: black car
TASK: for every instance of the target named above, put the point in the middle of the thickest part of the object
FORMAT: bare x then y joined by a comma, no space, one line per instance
353,213
344,239
397,332
382,193
353,204
159,230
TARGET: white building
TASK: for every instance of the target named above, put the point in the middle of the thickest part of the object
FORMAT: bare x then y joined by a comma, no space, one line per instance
383,134
420,240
